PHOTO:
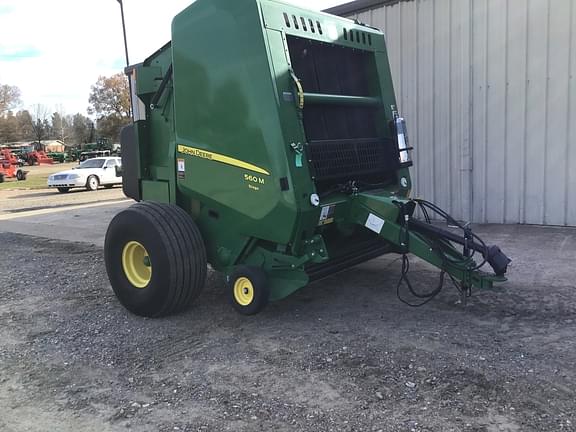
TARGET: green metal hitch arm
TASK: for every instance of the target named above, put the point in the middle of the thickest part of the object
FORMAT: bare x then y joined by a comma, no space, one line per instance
382,214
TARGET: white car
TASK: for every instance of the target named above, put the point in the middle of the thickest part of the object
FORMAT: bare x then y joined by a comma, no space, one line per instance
89,174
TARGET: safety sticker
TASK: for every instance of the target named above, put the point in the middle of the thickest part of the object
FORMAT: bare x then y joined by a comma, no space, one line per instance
327,215
374,223
181,168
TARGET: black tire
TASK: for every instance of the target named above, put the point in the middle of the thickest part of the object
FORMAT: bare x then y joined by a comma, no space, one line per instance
92,183
108,186
20,175
176,256
1,178
63,189
253,297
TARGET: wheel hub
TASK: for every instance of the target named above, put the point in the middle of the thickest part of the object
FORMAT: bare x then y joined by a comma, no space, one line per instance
243,291
136,264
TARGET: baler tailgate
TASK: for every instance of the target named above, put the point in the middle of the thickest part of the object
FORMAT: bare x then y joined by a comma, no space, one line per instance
340,115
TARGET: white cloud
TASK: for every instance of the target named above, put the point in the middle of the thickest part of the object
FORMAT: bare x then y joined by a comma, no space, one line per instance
55,50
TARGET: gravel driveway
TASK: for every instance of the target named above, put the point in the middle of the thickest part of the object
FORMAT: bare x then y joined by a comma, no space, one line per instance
341,355
27,200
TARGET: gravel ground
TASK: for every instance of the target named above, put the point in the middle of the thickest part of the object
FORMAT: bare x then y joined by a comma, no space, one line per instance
341,355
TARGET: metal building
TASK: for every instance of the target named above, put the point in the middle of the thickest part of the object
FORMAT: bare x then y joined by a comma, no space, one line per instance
488,91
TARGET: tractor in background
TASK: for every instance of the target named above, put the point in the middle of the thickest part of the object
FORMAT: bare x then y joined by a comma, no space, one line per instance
10,166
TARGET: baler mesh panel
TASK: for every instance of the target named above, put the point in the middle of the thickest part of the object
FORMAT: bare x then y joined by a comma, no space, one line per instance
356,159
344,142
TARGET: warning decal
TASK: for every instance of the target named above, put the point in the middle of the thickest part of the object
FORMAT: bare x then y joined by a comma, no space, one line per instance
374,223
327,215
181,168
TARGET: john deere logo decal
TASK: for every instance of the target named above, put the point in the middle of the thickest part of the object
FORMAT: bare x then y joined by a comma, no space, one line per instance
203,154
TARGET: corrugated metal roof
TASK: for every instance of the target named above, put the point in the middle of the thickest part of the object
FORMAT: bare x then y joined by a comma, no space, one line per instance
360,5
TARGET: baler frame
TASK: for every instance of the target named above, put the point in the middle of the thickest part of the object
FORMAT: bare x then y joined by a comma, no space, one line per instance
276,148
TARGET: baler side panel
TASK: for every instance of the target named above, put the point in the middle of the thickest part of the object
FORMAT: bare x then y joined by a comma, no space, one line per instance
228,129
155,133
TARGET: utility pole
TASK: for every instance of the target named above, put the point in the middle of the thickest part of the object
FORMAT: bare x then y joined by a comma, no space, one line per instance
124,30
126,51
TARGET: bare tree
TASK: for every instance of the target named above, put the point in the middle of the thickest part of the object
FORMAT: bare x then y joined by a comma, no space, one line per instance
9,98
60,125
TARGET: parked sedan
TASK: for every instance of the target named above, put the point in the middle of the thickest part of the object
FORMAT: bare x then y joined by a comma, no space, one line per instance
89,174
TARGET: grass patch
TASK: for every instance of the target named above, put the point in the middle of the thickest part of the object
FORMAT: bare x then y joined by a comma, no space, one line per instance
37,177
38,181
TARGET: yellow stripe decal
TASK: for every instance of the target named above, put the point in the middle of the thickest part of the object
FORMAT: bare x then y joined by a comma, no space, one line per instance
203,154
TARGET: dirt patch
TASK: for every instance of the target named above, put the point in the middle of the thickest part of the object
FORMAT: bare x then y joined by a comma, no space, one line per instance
341,355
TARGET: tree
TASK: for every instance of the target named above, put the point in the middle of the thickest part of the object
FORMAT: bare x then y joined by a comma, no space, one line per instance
110,101
110,127
40,125
57,126
25,121
110,96
9,98
61,125
82,129
9,131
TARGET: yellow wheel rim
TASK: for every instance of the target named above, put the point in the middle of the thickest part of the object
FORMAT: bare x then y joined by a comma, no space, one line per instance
136,264
243,291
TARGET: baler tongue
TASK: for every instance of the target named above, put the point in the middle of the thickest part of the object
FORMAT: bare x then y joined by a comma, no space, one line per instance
393,219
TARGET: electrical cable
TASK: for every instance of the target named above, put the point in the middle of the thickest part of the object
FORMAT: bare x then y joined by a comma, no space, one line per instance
424,205
439,247
426,297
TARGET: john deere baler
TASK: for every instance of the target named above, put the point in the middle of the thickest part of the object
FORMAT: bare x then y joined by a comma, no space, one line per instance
266,142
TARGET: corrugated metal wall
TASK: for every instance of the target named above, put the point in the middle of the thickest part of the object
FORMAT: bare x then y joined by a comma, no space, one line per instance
487,87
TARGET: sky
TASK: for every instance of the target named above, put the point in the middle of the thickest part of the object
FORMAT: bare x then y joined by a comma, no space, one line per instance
54,50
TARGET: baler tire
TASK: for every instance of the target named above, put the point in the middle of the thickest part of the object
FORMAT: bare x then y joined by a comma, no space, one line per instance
63,189
174,250
92,183
248,290
20,175
1,178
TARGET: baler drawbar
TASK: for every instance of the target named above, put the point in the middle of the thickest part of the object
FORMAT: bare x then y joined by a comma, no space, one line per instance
266,142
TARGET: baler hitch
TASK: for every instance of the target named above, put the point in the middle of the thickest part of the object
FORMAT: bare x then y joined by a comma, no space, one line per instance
393,219
493,255
471,243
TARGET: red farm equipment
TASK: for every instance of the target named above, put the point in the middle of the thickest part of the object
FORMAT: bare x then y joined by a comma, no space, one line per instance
6,154
38,157
9,167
